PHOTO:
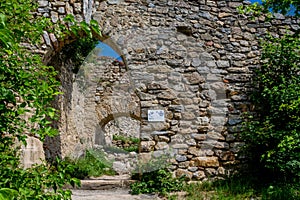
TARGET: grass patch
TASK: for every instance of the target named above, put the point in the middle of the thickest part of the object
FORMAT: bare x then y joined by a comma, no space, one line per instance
154,176
159,181
242,188
92,164
129,144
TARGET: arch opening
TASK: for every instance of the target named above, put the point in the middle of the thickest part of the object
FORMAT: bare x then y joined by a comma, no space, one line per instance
82,66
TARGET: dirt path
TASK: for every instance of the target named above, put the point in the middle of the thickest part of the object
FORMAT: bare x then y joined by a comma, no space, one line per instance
108,188
110,194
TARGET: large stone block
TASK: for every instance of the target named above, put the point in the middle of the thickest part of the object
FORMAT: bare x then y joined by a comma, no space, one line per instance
206,161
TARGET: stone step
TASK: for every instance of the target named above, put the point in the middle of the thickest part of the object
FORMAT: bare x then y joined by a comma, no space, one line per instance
106,183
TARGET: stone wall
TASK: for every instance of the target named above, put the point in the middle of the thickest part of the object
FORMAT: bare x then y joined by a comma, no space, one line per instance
192,59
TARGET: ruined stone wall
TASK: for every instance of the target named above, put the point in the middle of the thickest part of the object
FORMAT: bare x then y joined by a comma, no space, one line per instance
192,59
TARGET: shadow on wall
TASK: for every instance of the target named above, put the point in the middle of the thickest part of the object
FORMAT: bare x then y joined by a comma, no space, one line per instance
68,63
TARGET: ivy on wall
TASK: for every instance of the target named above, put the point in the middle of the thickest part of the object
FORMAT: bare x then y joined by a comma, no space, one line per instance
27,88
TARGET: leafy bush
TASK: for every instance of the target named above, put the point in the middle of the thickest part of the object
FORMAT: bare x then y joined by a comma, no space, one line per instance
27,90
159,181
43,181
154,177
7,194
273,135
132,142
93,163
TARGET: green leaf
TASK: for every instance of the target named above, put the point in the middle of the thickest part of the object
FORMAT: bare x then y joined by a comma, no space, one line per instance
7,194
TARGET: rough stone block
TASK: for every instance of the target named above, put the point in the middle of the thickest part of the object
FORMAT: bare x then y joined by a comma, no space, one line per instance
184,173
180,146
147,146
199,175
206,161
196,151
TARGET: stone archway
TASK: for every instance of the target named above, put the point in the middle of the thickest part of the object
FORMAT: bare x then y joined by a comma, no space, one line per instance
204,46
115,98
79,121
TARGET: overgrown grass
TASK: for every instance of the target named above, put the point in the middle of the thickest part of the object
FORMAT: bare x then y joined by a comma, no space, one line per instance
131,141
159,181
126,139
242,188
92,164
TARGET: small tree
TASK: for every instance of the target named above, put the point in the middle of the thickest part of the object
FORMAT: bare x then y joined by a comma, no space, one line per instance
273,134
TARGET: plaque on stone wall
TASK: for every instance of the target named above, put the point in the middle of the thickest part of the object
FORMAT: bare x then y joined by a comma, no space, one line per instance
156,115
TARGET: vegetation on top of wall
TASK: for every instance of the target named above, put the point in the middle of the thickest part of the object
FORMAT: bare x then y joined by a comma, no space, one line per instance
283,7
129,144
286,7
27,88
77,51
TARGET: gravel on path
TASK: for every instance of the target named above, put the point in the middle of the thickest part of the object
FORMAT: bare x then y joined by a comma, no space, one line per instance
112,194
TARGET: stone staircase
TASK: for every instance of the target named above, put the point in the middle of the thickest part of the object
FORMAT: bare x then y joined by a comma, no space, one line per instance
106,182
108,187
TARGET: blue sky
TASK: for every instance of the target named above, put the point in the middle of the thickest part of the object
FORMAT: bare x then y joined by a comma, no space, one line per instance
107,51
252,1
292,12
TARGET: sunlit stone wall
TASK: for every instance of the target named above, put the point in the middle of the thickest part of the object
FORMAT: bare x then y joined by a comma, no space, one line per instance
191,59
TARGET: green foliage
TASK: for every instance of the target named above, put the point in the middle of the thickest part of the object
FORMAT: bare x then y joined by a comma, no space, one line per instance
131,141
282,6
7,194
254,9
273,136
77,51
20,21
27,89
126,139
241,187
43,181
26,85
93,163
278,6
159,181
154,177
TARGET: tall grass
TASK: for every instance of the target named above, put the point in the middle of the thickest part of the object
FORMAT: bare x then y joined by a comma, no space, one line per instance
92,164
242,188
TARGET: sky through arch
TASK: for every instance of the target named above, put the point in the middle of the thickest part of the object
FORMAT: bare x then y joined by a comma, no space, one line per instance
107,51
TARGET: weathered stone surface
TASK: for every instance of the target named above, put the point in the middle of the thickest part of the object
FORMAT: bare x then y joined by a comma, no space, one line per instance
180,146
199,136
184,173
199,175
196,151
119,167
161,146
181,158
206,161
192,59
147,146
32,153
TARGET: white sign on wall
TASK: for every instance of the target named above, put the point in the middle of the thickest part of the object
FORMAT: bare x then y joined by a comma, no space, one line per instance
156,115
